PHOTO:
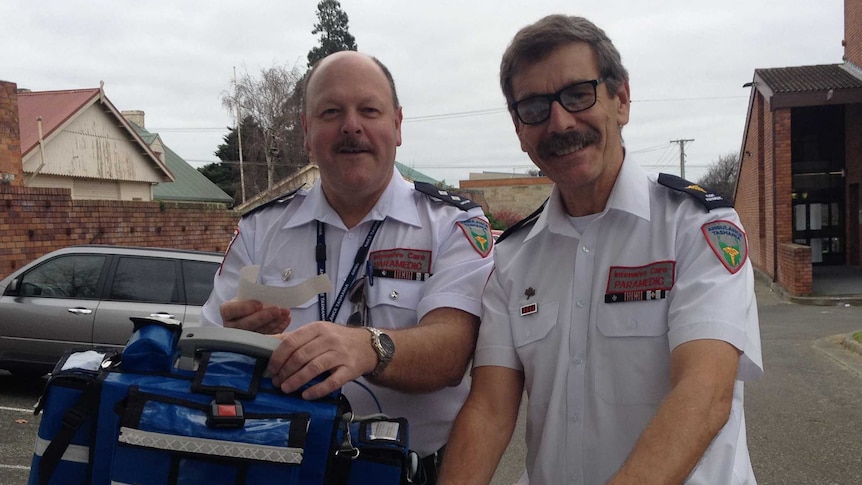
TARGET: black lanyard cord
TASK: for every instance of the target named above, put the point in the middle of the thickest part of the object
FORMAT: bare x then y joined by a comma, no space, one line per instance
358,261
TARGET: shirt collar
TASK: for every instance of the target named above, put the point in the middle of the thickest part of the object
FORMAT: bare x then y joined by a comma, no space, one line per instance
629,194
396,202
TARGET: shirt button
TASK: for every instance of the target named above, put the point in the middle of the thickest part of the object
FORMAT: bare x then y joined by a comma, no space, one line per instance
578,361
580,303
633,325
350,235
585,249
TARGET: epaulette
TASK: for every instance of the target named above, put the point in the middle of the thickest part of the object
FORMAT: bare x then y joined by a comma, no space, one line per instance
281,199
706,197
525,222
452,199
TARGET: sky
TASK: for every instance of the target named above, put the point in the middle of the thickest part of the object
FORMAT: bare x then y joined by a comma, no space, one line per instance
174,60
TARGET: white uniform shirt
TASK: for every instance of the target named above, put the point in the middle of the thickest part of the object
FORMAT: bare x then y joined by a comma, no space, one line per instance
418,235
596,372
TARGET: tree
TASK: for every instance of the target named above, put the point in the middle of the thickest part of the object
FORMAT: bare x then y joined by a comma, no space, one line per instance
721,175
332,27
267,105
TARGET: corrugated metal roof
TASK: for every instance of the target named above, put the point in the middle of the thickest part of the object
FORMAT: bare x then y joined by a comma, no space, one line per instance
55,107
414,175
808,78
189,184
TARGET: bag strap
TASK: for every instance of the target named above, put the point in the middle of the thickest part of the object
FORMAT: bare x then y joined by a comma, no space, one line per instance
73,418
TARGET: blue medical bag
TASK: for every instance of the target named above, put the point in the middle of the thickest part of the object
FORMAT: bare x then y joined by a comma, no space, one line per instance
193,406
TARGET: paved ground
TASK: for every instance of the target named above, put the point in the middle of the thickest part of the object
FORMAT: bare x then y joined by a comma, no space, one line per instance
804,417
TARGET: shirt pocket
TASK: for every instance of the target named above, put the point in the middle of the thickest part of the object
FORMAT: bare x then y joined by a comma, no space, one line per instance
392,302
527,329
631,353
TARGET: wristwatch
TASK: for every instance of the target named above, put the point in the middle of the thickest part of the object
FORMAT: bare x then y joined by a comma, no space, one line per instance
385,348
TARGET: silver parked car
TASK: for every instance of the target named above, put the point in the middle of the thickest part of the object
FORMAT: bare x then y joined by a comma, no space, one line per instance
82,297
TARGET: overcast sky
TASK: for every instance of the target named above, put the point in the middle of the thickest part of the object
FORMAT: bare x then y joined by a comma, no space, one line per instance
687,59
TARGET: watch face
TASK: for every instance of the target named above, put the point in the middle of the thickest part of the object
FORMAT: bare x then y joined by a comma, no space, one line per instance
387,344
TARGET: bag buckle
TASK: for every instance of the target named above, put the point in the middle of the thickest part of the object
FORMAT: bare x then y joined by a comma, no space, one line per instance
225,414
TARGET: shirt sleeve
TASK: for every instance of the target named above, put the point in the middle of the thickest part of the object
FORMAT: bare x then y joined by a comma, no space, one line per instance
226,279
460,270
496,346
714,298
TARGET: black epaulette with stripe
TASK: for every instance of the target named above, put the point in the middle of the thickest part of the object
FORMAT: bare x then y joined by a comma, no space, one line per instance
444,196
706,197
525,222
281,199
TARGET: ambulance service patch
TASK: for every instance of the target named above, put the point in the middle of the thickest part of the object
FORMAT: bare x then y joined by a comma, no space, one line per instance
478,232
728,243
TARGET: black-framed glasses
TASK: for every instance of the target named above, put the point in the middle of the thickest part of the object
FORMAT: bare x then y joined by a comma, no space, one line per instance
573,98
356,295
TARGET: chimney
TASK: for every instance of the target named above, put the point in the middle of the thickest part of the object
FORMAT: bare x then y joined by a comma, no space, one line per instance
11,168
135,116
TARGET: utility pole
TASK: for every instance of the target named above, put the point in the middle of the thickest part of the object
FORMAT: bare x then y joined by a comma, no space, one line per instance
239,134
682,155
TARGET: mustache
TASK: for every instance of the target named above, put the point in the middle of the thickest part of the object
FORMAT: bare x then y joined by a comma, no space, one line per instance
354,144
562,141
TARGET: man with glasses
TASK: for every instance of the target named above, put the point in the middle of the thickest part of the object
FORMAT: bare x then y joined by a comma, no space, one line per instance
407,265
625,306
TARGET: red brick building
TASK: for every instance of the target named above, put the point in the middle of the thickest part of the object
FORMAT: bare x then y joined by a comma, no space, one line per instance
798,191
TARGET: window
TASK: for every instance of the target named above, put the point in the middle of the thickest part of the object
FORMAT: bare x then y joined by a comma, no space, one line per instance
73,276
198,277
149,280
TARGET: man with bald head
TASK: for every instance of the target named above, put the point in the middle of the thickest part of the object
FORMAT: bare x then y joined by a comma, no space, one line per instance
407,264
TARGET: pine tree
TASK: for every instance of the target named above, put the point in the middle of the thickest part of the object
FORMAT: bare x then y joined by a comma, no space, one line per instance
332,27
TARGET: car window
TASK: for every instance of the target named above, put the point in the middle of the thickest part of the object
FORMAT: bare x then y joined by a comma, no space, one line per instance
151,280
198,276
72,276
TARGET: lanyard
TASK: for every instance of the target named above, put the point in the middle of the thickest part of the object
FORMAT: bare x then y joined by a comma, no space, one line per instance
320,255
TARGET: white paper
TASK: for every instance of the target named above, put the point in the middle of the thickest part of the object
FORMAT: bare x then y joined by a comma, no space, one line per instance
280,296
89,360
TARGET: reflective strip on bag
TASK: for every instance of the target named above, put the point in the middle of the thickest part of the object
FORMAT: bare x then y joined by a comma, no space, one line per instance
205,446
73,453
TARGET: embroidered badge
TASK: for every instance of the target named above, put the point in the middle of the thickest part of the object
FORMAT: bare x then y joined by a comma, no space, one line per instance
229,245
728,242
478,232
402,264
640,283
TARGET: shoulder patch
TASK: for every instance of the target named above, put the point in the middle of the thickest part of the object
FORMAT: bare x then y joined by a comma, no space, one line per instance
444,196
525,222
281,199
728,242
478,232
706,197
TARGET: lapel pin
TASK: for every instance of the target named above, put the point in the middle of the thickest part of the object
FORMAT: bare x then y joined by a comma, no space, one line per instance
286,274
530,292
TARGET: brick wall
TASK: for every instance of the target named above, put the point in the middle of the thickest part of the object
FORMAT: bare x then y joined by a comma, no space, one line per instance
853,31
10,140
748,200
794,269
520,195
35,221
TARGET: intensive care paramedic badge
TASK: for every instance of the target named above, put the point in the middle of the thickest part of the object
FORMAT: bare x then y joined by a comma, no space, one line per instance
640,283
728,243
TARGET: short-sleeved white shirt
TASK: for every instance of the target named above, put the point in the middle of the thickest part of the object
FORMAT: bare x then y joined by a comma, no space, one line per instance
419,235
597,372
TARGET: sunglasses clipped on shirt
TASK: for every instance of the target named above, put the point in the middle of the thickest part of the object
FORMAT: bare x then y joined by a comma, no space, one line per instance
575,97
356,295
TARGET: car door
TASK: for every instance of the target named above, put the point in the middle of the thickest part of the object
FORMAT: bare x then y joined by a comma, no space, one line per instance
198,284
137,286
53,310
